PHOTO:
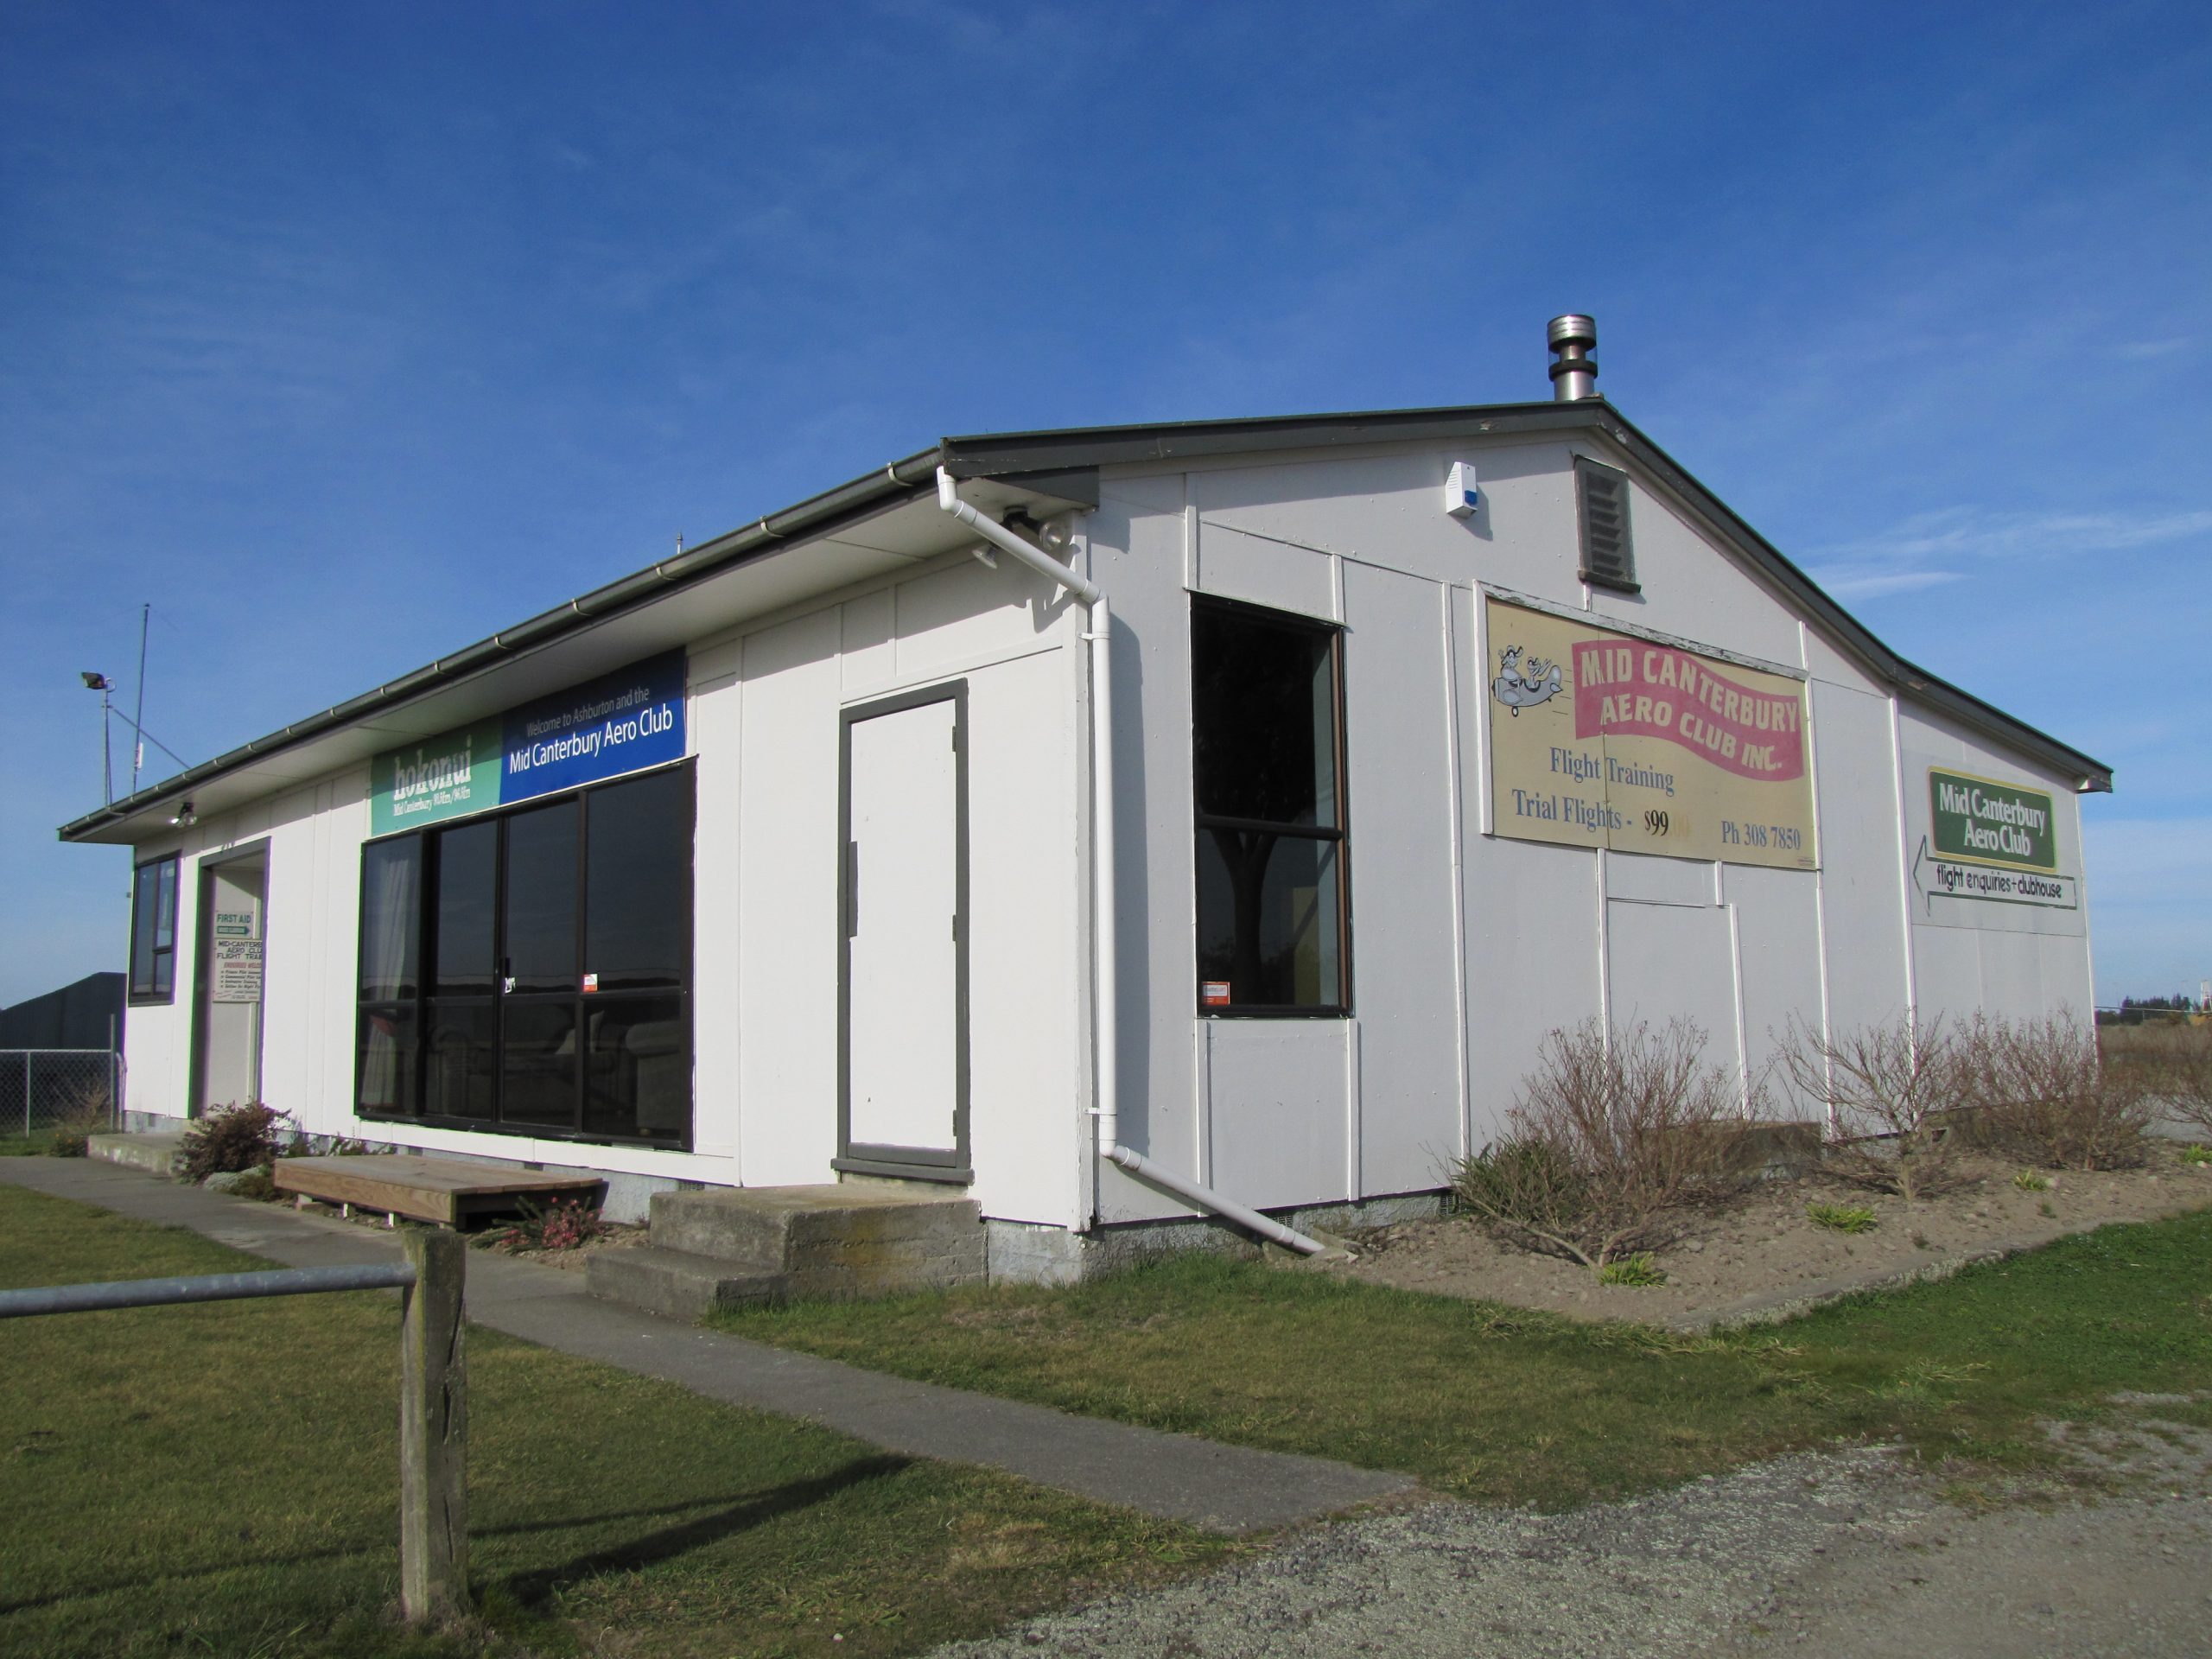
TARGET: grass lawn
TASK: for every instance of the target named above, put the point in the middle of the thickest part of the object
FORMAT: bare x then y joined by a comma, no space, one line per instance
1502,1405
222,1479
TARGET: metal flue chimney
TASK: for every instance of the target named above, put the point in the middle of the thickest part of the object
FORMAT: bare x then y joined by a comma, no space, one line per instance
1574,374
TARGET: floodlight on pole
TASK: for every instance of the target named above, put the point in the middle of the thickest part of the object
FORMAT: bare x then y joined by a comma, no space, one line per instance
101,684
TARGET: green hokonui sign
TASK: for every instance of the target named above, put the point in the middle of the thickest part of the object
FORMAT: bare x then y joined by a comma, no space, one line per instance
1991,822
439,778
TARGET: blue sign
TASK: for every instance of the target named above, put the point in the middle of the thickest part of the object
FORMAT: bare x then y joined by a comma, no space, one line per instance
622,722
618,722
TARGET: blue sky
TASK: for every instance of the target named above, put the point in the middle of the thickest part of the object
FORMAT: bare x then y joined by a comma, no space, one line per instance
349,334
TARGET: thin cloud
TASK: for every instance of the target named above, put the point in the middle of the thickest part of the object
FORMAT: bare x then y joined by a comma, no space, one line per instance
1930,548
2139,350
1873,581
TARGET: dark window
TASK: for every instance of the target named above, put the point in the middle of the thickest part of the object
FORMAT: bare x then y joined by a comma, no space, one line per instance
1266,726
530,970
468,906
153,931
635,926
1608,548
541,913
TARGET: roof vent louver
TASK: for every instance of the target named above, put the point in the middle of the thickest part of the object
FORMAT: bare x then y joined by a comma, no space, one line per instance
1608,549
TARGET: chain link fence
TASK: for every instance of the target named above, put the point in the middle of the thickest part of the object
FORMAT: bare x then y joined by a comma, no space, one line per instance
43,1087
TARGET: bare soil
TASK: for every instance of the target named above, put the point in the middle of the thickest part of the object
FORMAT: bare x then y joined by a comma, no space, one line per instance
1758,1255
612,1236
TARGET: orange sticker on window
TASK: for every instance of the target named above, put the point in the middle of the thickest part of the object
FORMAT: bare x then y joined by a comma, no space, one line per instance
1214,993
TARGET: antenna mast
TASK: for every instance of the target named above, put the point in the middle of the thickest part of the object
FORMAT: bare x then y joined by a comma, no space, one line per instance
138,721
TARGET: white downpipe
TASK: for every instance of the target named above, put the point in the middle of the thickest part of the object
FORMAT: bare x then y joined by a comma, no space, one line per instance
1108,1112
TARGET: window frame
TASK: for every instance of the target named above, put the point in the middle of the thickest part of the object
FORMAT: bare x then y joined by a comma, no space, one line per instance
426,988
158,989
1338,833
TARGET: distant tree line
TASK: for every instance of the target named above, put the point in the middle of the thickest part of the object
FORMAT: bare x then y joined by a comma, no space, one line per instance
2133,1010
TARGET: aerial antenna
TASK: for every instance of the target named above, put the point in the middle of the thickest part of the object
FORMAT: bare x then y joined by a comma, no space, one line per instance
137,720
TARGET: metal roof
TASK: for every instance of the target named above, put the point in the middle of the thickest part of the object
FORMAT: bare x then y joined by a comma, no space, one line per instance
1062,465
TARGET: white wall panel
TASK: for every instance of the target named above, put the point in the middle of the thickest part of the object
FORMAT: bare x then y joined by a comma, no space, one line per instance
1398,751
1642,879
1667,962
967,612
1025,1020
1947,972
1777,917
2019,960
714,729
1532,961
1137,553
1237,566
1861,892
1277,1091
786,848
1387,507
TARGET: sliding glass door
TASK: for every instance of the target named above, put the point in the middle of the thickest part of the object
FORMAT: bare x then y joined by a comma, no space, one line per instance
530,970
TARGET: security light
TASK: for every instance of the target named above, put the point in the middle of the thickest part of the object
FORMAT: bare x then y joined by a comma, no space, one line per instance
184,815
95,681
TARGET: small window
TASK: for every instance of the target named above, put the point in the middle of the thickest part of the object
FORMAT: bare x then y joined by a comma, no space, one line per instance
1267,727
153,932
1608,548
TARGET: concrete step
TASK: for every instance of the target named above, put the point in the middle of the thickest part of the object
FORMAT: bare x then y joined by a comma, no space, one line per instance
677,1284
156,1153
849,1240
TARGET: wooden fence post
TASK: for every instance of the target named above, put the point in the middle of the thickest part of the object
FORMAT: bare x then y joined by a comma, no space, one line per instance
433,1431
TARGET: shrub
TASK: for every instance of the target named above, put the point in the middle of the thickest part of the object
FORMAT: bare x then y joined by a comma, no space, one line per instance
2040,1086
1888,1089
1841,1218
563,1225
2197,1155
230,1138
1637,1271
1611,1136
2028,1181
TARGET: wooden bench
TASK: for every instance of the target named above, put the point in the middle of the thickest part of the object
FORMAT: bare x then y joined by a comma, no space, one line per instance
448,1191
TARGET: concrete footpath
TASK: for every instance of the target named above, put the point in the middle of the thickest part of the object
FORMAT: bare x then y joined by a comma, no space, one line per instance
1177,1477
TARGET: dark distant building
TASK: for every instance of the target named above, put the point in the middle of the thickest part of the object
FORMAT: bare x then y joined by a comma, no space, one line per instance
87,1014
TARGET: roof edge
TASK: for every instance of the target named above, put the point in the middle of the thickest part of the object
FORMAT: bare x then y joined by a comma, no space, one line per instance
914,476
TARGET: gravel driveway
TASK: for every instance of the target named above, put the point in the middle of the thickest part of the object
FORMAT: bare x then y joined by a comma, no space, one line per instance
1850,1553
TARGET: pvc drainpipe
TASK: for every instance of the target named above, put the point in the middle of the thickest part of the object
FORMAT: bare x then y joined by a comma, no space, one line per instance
1107,1113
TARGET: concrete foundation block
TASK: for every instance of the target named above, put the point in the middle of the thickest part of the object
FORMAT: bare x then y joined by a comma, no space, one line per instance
677,1285
156,1153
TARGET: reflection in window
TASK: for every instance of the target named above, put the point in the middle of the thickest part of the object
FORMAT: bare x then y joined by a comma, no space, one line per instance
153,931
1266,713
392,904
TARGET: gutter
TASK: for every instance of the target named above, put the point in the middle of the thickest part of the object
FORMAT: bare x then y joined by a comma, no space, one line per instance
1106,1114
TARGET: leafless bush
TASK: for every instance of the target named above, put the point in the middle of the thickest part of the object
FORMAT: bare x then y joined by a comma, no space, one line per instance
1890,1090
87,1109
1608,1142
2171,1064
2040,1087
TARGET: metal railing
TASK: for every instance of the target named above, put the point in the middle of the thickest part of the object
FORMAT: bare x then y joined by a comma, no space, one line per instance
41,1087
433,1388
